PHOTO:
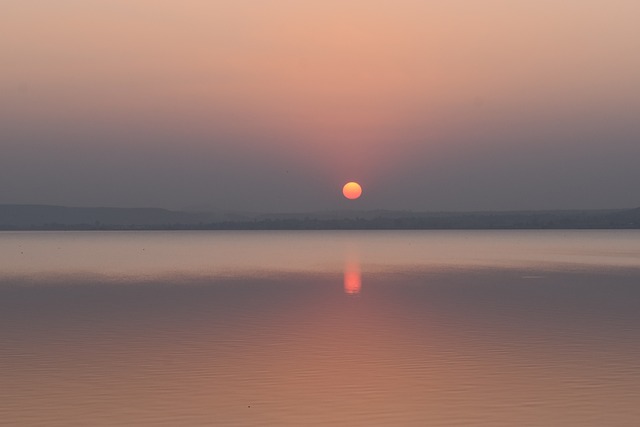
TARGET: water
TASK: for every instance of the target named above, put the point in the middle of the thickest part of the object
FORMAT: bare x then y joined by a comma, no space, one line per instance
462,328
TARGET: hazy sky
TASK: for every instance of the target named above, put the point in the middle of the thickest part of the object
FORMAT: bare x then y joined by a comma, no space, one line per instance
272,105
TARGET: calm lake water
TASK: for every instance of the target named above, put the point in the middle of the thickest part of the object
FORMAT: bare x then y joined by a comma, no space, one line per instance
375,328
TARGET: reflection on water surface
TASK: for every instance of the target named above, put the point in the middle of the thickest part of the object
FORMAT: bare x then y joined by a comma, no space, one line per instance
352,275
438,336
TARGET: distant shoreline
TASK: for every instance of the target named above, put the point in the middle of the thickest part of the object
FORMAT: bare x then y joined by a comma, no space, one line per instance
60,218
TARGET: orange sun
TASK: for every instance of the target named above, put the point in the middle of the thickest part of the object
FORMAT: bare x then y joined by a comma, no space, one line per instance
352,190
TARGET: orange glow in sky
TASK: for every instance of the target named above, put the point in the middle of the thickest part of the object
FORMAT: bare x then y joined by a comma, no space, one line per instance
448,105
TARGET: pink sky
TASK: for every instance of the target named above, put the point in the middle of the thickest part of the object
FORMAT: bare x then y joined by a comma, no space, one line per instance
268,105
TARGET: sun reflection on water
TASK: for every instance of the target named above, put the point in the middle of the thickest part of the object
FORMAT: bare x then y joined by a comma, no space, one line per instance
352,277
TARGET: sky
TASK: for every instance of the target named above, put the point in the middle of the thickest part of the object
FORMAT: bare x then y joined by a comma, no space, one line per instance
272,105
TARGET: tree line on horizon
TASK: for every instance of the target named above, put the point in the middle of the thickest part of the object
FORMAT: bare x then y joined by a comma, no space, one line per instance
618,219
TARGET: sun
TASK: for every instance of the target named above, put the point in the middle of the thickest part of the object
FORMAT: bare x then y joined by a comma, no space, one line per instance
352,190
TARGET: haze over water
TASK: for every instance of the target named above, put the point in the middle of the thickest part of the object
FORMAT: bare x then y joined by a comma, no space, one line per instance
244,108
320,328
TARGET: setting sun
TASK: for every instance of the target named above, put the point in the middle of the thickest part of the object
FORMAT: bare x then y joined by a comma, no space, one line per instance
352,190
